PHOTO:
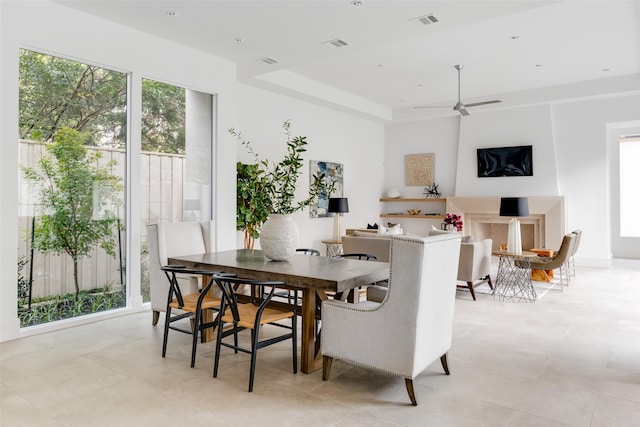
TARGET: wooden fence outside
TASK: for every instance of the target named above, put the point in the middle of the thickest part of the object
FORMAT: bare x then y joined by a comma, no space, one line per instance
162,179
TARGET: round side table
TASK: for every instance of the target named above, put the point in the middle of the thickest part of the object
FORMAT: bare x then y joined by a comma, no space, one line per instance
333,247
513,281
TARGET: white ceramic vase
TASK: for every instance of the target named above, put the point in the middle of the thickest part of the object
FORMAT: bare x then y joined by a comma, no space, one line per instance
279,237
394,193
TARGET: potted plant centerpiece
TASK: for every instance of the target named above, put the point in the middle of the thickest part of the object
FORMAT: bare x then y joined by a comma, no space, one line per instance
266,197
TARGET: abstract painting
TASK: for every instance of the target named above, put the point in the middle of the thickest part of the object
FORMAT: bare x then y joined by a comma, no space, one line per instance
333,174
419,169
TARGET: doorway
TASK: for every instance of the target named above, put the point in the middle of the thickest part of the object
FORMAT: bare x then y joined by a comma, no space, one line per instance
624,150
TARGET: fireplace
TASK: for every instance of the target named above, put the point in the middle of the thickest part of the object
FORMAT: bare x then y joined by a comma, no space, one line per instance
544,227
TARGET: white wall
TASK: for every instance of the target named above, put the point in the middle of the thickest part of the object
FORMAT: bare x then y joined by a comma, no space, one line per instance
332,136
503,128
570,158
580,133
48,27
437,136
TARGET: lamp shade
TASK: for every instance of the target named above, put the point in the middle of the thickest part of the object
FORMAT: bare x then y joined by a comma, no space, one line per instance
514,206
338,205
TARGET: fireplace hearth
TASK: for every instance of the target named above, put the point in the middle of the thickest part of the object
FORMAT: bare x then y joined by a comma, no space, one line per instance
544,227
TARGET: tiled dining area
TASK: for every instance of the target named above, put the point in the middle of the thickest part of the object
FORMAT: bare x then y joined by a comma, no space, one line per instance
571,358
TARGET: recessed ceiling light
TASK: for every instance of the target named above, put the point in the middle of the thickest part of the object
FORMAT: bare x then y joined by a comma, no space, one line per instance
172,13
515,37
238,40
356,3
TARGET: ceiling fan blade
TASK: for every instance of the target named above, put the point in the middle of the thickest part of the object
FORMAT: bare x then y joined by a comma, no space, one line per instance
460,107
432,106
474,104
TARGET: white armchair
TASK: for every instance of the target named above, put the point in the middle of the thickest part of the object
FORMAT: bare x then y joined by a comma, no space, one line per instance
412,327
173,239
475,262
474,267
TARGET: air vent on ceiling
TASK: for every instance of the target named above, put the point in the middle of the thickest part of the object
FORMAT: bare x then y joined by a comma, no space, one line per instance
427,19
268,60
336,43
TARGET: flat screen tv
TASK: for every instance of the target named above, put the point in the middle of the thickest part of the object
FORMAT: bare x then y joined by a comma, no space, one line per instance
505,161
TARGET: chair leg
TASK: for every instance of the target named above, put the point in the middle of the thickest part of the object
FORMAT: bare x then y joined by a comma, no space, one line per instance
218,346
294,342
196,327
254,354
165,337
445,365
156,317
488,279
473,293
326,367
235,338
409,383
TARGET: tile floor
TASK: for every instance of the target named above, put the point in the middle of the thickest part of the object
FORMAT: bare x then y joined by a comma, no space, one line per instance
571,358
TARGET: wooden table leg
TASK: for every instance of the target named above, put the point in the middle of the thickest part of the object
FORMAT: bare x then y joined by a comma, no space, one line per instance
208,315
307,348
310,355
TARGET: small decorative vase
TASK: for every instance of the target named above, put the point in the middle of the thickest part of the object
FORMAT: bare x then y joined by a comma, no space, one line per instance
394,193
279,237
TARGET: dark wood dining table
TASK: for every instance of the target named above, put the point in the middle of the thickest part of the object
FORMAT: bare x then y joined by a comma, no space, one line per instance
313,275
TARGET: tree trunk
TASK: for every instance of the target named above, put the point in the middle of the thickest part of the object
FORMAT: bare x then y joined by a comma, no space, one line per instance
75,277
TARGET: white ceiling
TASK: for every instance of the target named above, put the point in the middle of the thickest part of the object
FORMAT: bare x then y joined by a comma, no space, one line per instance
516,51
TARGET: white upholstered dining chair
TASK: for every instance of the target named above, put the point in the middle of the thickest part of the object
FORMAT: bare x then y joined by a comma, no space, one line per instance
412,327
173,239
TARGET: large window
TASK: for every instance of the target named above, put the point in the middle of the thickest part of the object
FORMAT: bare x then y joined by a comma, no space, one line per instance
73,124
176,160
72,119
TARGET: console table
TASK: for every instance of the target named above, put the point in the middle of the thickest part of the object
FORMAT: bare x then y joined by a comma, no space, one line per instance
513,281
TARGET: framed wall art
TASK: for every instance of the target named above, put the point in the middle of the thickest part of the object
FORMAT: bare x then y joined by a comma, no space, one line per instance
333,174
419,169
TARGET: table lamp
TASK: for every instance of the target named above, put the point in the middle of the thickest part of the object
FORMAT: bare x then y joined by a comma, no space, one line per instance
338,206
514,207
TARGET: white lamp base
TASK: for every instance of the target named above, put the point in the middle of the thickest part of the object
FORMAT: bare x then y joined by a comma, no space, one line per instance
514,242
337,227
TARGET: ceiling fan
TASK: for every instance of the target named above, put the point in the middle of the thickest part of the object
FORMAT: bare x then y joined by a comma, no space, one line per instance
460,107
